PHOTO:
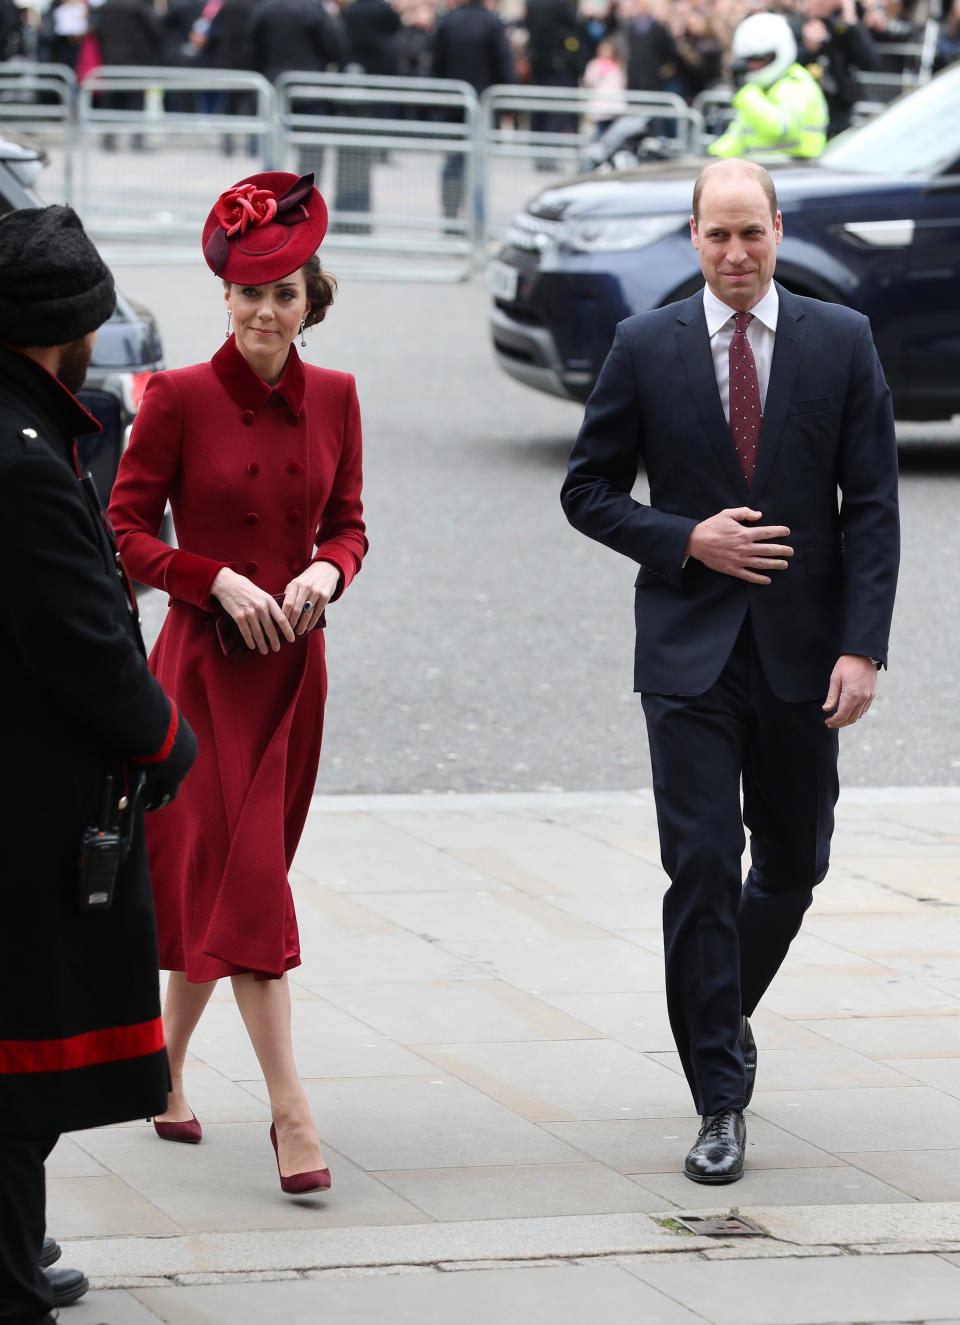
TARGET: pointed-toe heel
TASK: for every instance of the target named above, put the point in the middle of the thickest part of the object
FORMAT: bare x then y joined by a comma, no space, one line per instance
189,1132
299,1184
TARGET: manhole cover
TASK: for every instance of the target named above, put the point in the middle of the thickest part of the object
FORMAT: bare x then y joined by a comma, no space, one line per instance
731,1227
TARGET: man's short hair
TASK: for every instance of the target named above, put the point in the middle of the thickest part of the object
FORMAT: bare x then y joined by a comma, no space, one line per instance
736,166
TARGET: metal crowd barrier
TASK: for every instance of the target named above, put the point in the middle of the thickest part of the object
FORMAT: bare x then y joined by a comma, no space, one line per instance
395,159
26,106
533,136
419,175
192,133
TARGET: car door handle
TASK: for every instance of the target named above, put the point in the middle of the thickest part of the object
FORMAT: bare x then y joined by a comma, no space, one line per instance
883,234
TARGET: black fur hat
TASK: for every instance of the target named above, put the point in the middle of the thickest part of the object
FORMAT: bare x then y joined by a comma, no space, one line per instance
54,285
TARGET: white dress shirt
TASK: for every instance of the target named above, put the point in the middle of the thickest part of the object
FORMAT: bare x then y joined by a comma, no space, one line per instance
760,333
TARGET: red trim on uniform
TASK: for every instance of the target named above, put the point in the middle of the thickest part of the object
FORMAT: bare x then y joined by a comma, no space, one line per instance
168,741
86,1050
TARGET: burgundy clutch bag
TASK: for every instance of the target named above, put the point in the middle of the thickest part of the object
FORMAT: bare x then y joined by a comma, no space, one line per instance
232,643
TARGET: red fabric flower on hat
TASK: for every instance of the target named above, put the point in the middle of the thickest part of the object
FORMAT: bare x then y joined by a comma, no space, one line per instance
244,206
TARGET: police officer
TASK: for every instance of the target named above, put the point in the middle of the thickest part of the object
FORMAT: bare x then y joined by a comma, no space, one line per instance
779,105
90,739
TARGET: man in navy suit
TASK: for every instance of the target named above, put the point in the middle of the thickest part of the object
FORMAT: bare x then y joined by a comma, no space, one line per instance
768,563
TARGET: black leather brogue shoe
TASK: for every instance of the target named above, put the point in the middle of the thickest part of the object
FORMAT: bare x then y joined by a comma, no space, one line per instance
717,1155
49,1252
748,1047
66,1285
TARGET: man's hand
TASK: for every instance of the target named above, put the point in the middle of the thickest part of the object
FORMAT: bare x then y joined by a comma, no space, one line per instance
853,684
726,544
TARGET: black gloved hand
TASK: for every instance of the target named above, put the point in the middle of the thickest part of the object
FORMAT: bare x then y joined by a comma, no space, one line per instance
163,780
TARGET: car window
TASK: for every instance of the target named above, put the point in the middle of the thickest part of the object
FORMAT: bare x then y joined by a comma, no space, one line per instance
918,135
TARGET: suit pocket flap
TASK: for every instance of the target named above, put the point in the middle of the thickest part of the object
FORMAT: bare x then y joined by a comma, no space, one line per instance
648,576
814,406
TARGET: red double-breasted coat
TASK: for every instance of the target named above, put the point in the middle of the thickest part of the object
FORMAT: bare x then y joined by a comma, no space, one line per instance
263,480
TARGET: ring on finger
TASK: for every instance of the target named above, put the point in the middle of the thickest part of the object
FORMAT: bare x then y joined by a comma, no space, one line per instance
308,606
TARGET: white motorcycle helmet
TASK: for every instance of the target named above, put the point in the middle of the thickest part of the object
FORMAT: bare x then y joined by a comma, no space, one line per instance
766,37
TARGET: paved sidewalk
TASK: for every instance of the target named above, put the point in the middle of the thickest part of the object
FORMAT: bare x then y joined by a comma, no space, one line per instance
479,1020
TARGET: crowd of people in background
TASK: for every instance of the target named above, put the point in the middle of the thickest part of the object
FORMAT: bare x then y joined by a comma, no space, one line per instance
608,46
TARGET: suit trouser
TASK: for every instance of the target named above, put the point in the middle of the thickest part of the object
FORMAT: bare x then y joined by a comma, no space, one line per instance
725,939
25,1297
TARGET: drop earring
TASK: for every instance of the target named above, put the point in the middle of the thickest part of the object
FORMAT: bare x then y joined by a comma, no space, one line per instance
303,327
229,316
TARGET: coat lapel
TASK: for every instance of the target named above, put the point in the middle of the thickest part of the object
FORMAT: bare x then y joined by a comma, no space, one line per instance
693,346
787,353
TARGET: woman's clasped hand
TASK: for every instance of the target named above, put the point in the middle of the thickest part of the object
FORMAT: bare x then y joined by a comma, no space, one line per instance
265,624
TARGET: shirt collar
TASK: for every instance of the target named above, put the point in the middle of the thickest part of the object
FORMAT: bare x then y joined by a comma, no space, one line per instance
718,314
251,392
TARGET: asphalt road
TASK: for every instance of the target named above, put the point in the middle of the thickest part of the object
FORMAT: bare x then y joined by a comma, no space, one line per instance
488,647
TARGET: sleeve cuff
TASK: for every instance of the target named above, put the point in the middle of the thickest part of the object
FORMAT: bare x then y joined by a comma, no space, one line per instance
160,755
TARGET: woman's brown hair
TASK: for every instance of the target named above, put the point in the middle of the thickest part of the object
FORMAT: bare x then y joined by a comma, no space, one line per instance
321,287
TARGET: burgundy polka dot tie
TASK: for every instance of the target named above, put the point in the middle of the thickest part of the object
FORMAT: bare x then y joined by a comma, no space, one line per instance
745,412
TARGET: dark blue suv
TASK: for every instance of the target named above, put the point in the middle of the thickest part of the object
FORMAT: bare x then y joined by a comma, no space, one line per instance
874,223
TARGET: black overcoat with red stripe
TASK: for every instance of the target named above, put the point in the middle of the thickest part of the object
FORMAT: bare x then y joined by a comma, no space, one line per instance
81,1041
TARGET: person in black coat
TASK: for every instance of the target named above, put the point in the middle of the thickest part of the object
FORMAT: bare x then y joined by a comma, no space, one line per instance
372,27
834,45
128,32
559,49
652,58
295,34
471,44
81,1040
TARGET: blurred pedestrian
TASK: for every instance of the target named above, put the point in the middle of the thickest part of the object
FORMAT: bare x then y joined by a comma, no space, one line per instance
128,32
471,45
834,45
372,28
558,50
260,458
699,50
63,30
415,42
606,79
11,30
652,57
948,45
303,36
231,48
91,741
300,35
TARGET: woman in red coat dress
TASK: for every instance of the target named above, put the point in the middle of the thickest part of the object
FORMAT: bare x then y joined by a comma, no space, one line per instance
260,459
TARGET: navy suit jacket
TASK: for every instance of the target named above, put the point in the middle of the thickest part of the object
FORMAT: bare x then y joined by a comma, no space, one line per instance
826,468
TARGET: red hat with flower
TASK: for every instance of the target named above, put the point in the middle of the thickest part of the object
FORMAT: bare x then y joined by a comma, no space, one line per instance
264,228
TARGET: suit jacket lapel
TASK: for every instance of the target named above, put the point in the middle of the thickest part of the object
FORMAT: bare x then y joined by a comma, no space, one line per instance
787,353
693,346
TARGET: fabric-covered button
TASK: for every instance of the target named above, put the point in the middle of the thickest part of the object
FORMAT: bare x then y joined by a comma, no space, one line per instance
292,416
294,467
248,417
251,567
252,518
294,517
253,469
294,564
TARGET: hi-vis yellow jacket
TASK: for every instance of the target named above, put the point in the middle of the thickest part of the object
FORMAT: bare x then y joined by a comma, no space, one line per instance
790,116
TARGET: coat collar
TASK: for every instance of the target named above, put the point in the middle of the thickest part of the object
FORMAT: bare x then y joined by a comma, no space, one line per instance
59,412
251,392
